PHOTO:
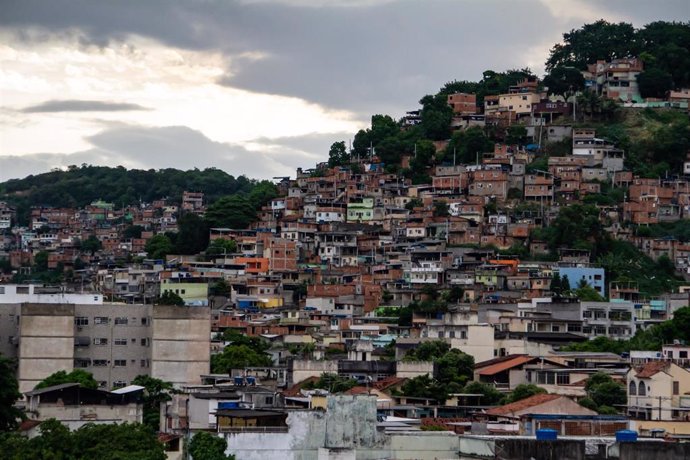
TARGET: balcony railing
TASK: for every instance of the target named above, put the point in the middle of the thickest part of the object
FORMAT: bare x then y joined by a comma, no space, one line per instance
252,429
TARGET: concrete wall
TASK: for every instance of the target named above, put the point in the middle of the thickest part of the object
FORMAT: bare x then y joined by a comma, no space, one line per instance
649,450
346,430
303,369
130,413
408,370
181,343
46,342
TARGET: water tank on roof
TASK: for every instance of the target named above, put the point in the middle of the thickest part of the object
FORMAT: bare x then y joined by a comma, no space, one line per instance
626,436
547,434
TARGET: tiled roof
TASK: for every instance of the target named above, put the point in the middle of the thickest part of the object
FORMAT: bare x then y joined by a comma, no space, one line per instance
492,361
649,369
388,382
516,406
294,390
505,365
357,391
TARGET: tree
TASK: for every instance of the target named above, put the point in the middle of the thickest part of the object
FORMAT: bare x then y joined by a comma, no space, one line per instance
41,261
424,386
564,81
466,145
523,391
428,351
565,284
231,211
436,116
170,298
192,234
654,83
604,391
9,394
206,446
490,395
80,376
221,246
159,246
591,42
156,392
333,383
516,134
441,209
133,231
238,357
337,155
556,283
91,244
454,367
587,293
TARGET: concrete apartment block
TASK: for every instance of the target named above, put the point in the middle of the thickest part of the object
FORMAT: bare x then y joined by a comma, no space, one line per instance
46,342
180,343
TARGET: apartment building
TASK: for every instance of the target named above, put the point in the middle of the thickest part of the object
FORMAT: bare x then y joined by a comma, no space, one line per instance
115,342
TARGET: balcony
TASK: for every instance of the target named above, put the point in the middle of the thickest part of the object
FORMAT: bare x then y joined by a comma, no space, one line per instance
252,429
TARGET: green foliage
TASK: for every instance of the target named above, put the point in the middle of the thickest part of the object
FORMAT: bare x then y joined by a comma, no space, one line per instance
133,231
207,446
578,226
382,127
220,288
564,81
79,186
441,209
9,394
192,234
157,391
337,155
588,403
222,246
80,376
654,83
238,357
41,261
436,116
600,40
159,246
516,134
91,244
492,83
233,211
490,395
332,382
523,391
428,351
102,441
170,298
467,144
604,391
454,367
255,343
424,386
588,294
414,203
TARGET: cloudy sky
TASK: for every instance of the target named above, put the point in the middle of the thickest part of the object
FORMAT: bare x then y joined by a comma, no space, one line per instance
254,87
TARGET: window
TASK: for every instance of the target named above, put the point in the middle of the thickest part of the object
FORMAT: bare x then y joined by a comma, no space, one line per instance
100,341
269,400
642,389
145,342
120,341
81,320
119,384
632,388
99,362
82,363
2,289
144,321
563,379
121,321
683,354
101,320
120,363
676,387
144,363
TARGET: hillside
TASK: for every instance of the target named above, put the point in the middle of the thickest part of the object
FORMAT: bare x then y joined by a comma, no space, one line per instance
79,186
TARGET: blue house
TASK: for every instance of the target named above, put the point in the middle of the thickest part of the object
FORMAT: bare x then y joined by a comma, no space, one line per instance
595,277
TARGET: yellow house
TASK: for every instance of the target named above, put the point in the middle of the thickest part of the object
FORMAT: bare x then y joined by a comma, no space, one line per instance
658,390
193,293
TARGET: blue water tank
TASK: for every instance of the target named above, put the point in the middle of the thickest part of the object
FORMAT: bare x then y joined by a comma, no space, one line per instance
228,405
239,380
251,380
547,434
626,436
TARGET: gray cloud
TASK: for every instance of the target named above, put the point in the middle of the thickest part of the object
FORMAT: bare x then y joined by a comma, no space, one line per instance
372,57
81,106
178,147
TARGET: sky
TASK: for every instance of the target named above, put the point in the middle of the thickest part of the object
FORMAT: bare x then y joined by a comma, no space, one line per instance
253,87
